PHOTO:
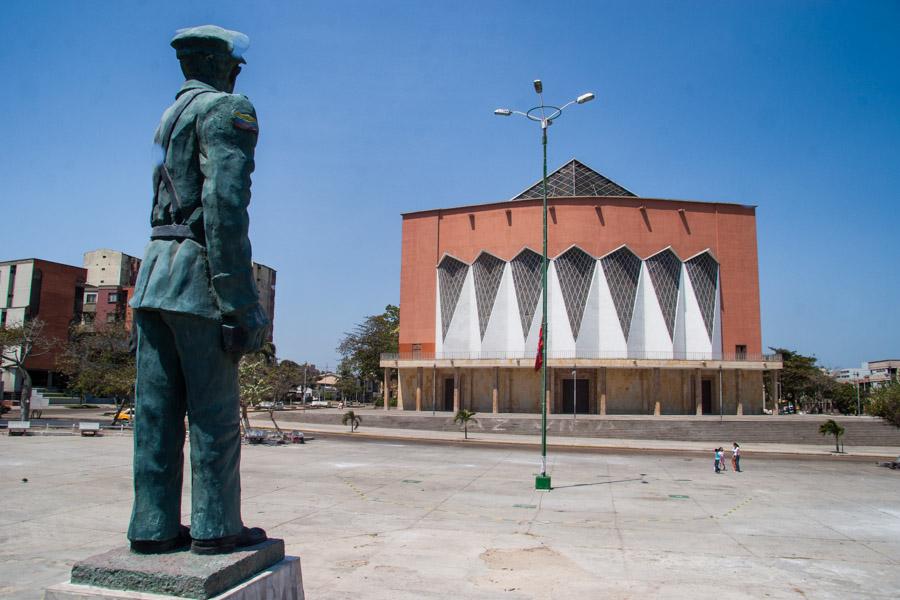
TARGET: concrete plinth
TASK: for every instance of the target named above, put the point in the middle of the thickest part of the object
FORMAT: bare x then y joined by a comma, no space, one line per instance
260,571
281,581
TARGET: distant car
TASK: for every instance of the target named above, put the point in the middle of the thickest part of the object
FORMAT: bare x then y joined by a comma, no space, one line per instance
125,416
272,405
255,436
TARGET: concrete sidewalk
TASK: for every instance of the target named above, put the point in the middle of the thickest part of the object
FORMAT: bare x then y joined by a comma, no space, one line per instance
701,448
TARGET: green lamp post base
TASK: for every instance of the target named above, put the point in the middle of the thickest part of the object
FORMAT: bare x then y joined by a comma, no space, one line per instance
542,482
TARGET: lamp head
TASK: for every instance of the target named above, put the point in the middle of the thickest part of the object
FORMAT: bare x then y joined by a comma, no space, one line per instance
585,98
502,112
538,86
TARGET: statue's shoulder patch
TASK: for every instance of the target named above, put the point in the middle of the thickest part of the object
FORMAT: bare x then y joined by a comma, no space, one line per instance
245,121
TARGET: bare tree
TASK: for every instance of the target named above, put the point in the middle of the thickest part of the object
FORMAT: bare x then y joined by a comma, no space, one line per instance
18,343
99,361
255,385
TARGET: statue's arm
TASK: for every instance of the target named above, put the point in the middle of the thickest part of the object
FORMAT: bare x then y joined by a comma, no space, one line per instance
227,142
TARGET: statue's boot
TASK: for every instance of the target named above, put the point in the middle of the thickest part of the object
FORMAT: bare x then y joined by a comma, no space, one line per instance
249,536
179,542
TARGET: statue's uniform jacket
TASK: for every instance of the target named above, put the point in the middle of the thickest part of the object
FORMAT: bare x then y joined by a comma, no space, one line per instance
188,284
210,161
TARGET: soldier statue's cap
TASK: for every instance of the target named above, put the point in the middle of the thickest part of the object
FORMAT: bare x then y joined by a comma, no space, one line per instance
210,39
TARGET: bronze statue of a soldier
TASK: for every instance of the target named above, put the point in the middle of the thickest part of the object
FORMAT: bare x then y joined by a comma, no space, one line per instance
196,307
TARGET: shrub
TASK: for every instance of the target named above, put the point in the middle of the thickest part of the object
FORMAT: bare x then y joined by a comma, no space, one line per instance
831,427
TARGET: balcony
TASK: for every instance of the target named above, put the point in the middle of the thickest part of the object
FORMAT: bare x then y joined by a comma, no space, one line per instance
622,360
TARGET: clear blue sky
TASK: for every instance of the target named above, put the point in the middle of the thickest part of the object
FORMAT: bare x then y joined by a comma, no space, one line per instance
370,109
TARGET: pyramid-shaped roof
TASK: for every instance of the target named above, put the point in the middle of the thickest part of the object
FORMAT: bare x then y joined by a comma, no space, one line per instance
574,179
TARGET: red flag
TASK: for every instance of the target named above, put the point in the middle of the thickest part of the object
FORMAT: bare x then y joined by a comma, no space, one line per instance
539,359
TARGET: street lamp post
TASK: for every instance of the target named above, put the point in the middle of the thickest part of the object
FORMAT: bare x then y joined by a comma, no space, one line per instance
858,413
539,114
574,391
721,398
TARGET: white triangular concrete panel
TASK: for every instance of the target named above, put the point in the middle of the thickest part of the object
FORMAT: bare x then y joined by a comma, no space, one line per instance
717,324
588,342
531,342
636,334
696,340
612,341
657,343
678,337
561,341
513,324
497,336
438,334
463,336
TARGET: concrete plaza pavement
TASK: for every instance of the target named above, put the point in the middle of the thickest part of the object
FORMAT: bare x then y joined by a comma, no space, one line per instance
401,520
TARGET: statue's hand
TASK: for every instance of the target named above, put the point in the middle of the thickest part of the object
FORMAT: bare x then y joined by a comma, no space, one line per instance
245,332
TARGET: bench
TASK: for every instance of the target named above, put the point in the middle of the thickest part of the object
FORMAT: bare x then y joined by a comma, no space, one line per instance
88,428
18,427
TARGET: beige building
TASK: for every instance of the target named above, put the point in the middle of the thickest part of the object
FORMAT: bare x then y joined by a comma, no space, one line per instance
872,374
265,285
110,268
110,279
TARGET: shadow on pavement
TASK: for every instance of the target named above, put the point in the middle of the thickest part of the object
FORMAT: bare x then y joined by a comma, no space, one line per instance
560,487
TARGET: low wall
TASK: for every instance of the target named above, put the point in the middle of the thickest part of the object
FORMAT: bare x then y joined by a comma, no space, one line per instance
786,429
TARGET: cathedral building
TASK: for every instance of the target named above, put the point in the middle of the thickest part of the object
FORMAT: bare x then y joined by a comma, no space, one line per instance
653,304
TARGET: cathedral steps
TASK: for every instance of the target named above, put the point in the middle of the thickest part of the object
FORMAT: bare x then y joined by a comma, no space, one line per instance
787,429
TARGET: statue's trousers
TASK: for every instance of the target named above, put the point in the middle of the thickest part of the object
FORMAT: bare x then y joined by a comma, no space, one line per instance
182,368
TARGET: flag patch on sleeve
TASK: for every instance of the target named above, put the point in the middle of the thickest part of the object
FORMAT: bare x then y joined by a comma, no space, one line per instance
245,122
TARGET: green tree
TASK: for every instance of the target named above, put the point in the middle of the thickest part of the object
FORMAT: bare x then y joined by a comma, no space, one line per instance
99,361
885,403
798,377
843,396
285,376
352,419
18,343
361,348
306,376
831,427
348,383
807,386
464,417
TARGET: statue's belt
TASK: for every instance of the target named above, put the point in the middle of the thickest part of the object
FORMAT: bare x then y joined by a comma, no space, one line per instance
178,232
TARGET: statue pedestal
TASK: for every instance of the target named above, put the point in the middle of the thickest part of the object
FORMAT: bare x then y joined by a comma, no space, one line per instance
259,572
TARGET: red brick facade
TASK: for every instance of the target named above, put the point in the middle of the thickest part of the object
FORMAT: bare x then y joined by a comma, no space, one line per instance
59,305
597,225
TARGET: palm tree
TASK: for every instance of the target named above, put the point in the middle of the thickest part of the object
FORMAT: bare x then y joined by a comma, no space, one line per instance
831,427
464,417
352,419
